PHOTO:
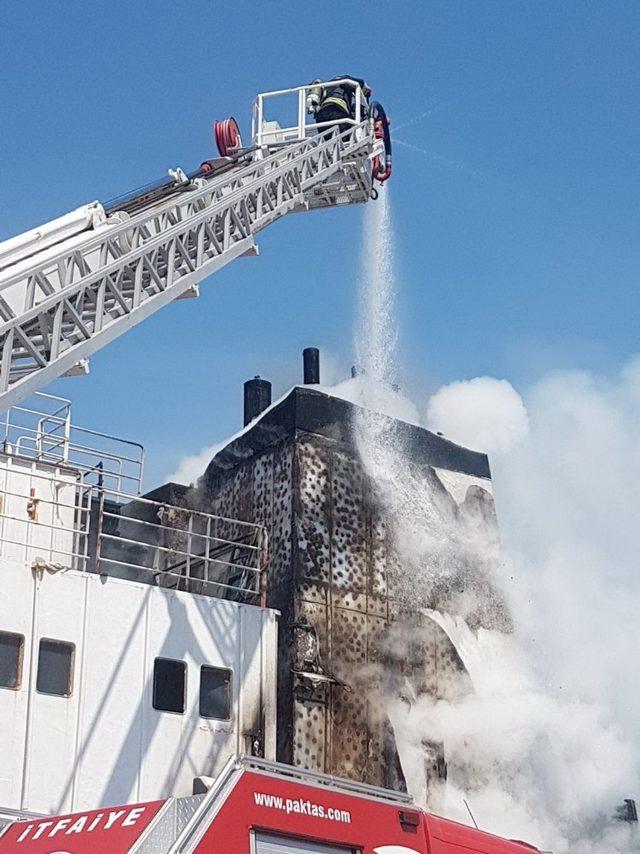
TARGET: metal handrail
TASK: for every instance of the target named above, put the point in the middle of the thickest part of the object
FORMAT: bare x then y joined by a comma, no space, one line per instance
303,128
181,578
159,525
91,537
168,550
141,499
52,437
77,447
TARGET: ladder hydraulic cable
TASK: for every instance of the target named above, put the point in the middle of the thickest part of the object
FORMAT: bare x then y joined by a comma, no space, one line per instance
77,283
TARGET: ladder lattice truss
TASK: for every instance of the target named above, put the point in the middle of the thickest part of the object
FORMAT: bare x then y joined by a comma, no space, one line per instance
64,303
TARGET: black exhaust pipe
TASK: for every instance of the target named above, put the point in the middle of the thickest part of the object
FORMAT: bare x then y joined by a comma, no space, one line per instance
257,397
311,363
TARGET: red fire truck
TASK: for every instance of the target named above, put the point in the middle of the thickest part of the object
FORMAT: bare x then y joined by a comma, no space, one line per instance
259,807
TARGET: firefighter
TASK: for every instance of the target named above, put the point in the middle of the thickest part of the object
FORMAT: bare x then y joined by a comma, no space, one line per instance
331,103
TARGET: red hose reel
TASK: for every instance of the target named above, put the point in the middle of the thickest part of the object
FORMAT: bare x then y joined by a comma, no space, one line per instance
227,136
382,167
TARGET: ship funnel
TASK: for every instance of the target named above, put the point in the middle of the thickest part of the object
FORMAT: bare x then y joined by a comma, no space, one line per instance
257,397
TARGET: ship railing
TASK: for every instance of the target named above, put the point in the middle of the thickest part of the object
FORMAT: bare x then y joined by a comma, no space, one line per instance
52,519
41,428
180,547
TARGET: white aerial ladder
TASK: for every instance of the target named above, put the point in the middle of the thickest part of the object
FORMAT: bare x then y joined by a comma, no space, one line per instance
76,283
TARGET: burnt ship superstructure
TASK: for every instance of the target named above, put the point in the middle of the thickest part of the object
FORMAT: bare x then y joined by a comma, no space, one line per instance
337,580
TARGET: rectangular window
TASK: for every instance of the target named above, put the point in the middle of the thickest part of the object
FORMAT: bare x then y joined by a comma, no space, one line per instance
55,667
267,844
11,652
215,693
169,685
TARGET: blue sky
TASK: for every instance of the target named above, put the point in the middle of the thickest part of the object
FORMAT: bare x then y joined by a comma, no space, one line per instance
515,194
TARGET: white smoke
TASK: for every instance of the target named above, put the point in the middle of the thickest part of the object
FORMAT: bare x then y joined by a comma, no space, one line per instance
548,743
532,764
191,467
566,494
484,414
567,500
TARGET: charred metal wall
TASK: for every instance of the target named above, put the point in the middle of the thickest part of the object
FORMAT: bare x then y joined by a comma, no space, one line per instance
332,573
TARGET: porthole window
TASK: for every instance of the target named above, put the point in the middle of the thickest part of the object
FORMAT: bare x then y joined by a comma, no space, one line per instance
11,653
215,693
55,667
169,685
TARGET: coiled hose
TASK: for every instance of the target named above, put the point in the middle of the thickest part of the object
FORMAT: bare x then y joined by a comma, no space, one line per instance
227,134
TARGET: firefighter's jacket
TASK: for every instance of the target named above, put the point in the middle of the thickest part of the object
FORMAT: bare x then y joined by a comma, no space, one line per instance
342,96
